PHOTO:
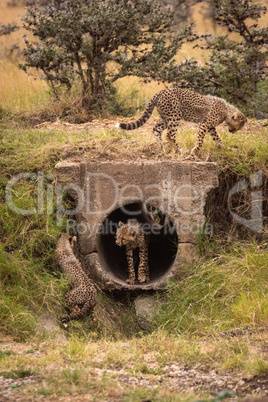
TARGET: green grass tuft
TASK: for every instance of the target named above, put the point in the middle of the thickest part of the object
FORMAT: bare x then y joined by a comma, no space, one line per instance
27,290
217,294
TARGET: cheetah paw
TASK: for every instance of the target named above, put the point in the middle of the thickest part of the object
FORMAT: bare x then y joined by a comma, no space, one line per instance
144,279
192,157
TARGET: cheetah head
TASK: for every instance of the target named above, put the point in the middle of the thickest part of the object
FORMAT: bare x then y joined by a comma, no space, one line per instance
125,234
236,121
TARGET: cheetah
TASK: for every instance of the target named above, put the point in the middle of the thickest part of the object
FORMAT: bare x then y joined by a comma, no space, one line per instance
132,236
81,300
174,104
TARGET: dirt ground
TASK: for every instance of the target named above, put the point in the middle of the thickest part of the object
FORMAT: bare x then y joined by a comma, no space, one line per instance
175,379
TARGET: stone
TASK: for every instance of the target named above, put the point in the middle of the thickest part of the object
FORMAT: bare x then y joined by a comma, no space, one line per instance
107,192
146,307
47,323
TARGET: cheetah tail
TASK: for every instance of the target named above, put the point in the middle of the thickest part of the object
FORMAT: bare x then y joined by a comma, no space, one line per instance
85,311
146,115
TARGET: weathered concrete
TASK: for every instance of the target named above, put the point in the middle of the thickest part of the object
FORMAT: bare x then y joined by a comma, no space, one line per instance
178,189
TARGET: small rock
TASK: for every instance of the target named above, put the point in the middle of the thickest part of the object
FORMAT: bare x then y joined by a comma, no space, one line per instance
146,307
48,323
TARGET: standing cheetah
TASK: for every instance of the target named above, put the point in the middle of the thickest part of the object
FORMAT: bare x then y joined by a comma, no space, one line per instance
174,104
81,300
132,236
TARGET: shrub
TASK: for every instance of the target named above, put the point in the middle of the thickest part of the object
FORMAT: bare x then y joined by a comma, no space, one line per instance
237,68
99,42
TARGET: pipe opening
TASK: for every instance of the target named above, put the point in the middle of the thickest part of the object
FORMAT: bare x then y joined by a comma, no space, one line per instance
162,248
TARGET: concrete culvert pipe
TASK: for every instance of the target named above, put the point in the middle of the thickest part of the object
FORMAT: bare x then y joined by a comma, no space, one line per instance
178,188
162,247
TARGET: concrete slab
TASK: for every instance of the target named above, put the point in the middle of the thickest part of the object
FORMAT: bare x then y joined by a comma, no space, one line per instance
106,192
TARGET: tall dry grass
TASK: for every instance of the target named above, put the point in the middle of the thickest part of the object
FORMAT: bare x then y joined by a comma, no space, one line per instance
19,91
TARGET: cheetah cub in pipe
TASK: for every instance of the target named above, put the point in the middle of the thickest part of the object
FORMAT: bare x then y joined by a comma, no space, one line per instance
81,300
175,104
132,236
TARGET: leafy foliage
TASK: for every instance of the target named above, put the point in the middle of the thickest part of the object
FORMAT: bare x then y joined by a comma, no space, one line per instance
100,42
237,67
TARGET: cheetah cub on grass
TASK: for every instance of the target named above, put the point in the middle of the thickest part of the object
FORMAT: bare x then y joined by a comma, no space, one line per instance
175,104
81,300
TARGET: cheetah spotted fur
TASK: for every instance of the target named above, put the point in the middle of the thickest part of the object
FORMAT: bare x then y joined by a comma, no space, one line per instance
174,104
81,299
131,235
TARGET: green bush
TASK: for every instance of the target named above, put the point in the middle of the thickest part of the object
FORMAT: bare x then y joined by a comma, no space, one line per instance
98,42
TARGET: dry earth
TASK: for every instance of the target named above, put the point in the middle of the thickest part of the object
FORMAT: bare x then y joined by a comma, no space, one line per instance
173,378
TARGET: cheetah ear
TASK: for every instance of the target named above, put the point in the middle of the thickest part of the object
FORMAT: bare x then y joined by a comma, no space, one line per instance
120,224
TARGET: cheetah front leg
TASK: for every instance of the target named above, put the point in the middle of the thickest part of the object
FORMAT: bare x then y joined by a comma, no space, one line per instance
131,271
215,137
200,139
143,270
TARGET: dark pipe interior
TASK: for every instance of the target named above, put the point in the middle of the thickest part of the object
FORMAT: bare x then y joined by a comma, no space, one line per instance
162,245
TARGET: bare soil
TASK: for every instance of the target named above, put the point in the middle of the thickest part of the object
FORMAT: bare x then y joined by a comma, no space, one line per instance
173,377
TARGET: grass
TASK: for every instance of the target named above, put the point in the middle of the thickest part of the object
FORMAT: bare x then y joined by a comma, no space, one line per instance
78,367
15,374
27,289
225,292
49,144
4,353
225,288
28,242
19,91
